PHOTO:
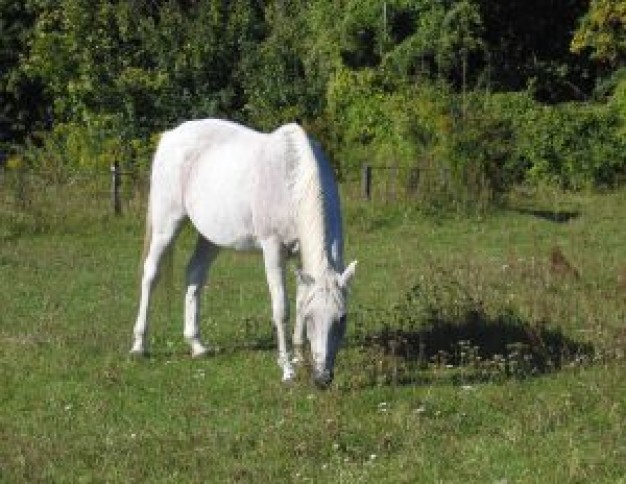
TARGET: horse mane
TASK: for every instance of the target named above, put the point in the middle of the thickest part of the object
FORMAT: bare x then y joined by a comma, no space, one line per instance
309,200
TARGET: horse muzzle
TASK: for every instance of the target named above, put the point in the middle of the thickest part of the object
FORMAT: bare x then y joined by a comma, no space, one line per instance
323,379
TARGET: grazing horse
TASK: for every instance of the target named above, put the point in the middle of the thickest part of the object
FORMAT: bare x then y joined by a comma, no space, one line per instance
247,190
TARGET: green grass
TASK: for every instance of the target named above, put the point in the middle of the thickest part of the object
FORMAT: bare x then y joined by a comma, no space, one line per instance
76,408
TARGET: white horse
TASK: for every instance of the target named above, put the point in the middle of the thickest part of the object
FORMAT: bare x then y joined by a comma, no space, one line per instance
245,190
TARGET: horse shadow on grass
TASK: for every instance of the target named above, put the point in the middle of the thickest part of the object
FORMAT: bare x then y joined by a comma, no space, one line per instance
466,347
469,347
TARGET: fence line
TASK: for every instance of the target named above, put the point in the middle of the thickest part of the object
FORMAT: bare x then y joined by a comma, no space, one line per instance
391,177
392,183
21,186
374,183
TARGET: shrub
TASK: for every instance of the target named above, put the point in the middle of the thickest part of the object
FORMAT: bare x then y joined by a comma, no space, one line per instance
572,145
93,145
516,139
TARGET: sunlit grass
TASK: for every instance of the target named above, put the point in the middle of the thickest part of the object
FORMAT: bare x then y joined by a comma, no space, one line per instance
76,408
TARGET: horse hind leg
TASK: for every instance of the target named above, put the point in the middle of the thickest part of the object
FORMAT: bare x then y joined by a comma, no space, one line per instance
161,238
203,255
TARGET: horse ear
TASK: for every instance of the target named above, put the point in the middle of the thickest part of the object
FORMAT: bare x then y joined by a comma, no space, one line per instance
348,274
303,278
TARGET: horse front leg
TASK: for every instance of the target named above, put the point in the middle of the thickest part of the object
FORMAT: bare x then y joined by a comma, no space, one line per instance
298,332
274,259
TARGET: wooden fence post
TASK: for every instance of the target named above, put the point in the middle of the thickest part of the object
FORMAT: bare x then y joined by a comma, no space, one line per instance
413,182
366,182
116,184
393,182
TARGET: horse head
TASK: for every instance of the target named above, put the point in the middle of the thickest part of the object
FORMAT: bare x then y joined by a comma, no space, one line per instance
321,303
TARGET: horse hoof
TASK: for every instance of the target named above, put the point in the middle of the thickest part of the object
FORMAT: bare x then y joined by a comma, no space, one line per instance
199,352
288,381
289,375
137,352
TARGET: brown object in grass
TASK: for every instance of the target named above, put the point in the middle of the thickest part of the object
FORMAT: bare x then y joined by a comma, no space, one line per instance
560,265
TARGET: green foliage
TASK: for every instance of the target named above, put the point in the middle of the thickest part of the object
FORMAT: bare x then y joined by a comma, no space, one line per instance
618,100
527,45
385,123
419,85
460,35
470,149
278,83
603,30
571,145
507,139
153,65
477,149
21,109
93,147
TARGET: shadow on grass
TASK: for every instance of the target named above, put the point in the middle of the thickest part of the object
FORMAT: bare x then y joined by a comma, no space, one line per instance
458,347
557,216
471,346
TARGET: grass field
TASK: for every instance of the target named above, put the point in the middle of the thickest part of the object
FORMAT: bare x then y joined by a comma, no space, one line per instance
480,349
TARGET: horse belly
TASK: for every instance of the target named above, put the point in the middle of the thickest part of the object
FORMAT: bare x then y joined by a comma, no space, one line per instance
217,200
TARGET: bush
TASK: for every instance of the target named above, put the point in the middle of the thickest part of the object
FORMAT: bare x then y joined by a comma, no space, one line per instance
515,139
369,120
459,147
456,152
478,150
574,146
618,102
93,145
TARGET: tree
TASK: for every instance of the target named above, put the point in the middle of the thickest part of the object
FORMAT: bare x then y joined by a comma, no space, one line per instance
460,36
22,105
147,64
528,43
602,30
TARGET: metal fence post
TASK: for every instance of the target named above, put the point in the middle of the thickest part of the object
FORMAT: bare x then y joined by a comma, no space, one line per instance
116,184
366,182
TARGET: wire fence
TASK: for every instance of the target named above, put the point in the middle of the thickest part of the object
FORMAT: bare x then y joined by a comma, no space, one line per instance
90,191
118,191
37,201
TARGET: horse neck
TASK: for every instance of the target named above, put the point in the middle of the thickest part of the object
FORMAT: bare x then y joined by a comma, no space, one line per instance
312,233
312,226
